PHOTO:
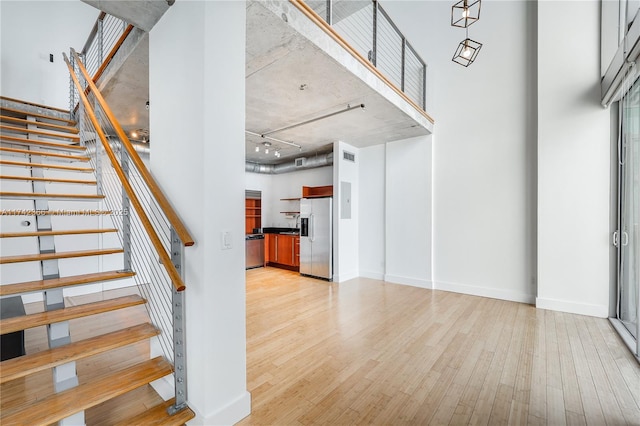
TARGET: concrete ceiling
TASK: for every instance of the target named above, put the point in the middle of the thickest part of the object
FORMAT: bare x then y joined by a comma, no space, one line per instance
140,13
278,62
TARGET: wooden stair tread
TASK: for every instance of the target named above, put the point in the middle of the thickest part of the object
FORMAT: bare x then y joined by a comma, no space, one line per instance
57,255
44,154
46,166
41,285
23,113
68,129
56,232
50,145
9,325
60,405
90,212
33,195
158,416
34,104
28,364
13,129
52,180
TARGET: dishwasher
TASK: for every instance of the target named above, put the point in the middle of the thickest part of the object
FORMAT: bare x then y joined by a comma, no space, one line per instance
254,251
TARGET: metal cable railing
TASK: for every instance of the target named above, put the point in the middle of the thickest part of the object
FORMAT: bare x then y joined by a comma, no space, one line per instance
150,232
105,38
368,29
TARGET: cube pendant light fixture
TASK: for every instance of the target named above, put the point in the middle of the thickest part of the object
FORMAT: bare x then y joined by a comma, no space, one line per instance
466,52
465,13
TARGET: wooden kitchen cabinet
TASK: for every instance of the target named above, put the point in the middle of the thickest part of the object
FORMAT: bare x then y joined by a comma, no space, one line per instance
296,251
283,251
270,248
252,215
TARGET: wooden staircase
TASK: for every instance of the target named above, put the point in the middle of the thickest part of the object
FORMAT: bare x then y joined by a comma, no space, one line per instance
30,132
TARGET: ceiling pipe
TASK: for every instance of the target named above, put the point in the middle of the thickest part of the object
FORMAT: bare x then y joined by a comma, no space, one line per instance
274,169
141,149
273,139
347,109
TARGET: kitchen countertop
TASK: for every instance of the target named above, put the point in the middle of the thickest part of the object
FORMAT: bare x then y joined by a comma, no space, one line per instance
285,231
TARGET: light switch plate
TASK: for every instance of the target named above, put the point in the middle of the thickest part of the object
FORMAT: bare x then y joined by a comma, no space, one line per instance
225,240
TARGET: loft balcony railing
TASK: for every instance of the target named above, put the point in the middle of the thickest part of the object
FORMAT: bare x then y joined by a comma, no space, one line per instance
366,26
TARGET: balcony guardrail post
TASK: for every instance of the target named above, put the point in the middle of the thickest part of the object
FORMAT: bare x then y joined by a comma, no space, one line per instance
125,212
424,86
179,343
402,71
330,12
375,33
72,94
100,41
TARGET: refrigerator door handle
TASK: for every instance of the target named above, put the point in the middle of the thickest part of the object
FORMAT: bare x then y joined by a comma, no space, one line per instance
313,228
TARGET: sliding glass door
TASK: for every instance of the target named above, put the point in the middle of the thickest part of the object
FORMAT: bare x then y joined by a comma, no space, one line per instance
628,235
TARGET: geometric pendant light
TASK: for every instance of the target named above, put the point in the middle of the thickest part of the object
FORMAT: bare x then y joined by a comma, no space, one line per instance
466,52
464,13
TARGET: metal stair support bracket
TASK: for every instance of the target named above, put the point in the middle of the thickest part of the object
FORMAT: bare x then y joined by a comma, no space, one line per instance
65,375
179,341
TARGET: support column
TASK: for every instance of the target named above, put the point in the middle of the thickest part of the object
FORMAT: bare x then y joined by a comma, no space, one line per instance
197,116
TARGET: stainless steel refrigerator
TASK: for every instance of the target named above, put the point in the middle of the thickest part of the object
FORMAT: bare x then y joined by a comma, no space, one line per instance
316,237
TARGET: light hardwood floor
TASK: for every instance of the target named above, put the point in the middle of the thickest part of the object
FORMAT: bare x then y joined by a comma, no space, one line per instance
369,352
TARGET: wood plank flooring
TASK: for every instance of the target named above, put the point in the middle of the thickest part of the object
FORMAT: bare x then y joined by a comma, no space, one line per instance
368,352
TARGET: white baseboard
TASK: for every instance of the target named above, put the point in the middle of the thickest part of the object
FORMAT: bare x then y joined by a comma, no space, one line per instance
494,293
600,311
414,282
372,275
345,277
230,414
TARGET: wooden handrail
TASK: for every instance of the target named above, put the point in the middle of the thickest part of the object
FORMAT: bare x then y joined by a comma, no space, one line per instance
144,219
324,26
164,204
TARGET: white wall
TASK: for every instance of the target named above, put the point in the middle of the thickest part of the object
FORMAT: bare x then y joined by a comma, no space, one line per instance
573,163
408,212
346,256
198,157
483,146
29,32
372,212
